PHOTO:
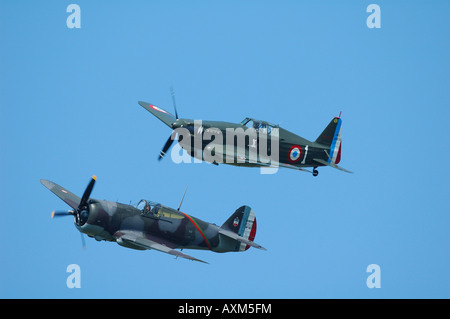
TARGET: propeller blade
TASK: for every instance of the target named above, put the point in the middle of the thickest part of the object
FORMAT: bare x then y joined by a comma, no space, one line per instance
83,242
87,192
172,92
61,213
165,148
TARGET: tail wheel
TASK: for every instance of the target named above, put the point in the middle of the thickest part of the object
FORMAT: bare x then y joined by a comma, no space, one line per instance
315,172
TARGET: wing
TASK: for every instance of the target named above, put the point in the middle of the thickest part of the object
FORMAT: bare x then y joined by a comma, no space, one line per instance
137,238
240,238
71,199
277,164
161,114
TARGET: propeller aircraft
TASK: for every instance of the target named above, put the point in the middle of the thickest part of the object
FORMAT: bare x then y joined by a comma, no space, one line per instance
151,225
251,143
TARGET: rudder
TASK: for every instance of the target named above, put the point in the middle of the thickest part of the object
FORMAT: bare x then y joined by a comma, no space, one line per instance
243,223
331,139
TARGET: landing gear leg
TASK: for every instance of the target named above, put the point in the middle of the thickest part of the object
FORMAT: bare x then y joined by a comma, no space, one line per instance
315,171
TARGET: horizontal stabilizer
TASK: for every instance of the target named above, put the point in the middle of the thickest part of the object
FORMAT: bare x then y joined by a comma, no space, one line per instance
321,161
240,239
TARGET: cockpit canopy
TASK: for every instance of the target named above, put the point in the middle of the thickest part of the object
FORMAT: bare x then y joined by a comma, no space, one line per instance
260,126
149,207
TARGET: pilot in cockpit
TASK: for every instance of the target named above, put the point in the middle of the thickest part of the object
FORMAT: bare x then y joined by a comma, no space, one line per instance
260,127
148,208
144,207
141,205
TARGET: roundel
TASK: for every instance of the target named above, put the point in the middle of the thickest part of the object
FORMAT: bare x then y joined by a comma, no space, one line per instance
157,108
295,153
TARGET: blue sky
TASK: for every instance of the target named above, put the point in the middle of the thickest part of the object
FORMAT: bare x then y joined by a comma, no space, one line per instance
68,110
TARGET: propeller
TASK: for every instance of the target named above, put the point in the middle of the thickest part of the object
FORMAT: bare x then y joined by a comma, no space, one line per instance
83,242
171,138
81,214
61,213
166,147
69,213
86,194
172,92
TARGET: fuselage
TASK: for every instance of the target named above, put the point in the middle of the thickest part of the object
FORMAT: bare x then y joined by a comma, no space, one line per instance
151,225
174,228
251,145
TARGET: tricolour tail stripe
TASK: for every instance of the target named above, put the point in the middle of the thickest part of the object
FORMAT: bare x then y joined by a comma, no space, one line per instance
247,228
336,143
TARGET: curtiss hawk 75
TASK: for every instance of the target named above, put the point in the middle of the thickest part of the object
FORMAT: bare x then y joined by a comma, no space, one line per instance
151,225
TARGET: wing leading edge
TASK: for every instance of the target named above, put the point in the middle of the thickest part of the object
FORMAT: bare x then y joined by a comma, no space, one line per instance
68,197
138,239
160,113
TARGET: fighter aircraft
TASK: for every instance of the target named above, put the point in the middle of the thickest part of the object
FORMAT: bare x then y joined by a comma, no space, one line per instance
262,144
151,225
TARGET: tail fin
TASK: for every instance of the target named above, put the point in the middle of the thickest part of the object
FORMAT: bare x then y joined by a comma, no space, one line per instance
243,224
331,139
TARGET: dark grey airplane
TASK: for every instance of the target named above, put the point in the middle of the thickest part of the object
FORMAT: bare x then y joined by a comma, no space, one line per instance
152,225
260,138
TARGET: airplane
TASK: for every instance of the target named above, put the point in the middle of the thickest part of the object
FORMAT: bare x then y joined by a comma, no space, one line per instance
151,225
294,152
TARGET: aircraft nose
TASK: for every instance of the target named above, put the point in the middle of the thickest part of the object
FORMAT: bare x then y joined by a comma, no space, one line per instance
177,124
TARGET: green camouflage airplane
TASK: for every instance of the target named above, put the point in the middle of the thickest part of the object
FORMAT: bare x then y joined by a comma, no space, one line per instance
251,143
151,225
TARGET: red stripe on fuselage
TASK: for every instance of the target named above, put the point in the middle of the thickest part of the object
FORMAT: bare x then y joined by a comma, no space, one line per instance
198,228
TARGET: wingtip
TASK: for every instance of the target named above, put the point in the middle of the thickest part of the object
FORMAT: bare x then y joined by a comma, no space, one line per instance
94,177
48,184
259,247
53,214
